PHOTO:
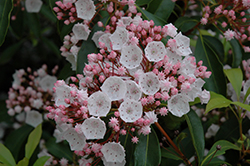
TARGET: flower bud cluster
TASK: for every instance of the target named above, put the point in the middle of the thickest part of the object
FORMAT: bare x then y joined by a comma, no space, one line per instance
30,94
141,71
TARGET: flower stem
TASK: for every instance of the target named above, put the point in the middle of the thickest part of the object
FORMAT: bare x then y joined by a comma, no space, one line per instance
173,144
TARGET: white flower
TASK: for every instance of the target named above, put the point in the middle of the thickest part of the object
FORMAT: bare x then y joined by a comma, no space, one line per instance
99,104
81,31
133,90
85,9
187,68
151,116
131,56
72,59
173,57
93,128
62,93
195,90
113,152
130,110
204,96
96,37
47,82
149,83
172,30
183,45
114,87
33,118
106,40
119,37
229,34
33,6
113,163
75,140
212,130
178,105
155,51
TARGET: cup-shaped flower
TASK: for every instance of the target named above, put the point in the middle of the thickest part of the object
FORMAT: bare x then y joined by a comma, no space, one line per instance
130,110
113,152
131,56
76,141
99,104
155,51
119,37
33,6
133,90
47,82
85,9
33,118
149,83
114,87
93,128
183,45
178,105
81,31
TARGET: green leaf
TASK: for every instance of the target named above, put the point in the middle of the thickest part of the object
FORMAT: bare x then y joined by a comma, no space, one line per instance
149,16
64,29
235,77
23,162
5,11
184,24
225,145
161,8
41,161
142,2
237,53
217,103
129,148
229,130
59,150
6,156
65,72
33,141
7,54
48,13
216,162
32,20
147,151
197,133
245,106
246,95
207,51
169,153
16,139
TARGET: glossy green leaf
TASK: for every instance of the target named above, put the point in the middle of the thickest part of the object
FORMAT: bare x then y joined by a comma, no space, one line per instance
207,51
142,2
52,46
5,11
161,8
216,162
184,24
33,141
245,106
59,150
147,151
7,54
229,130
23,162
41,161
246,95
197,133
6,156
64,29
235,77
129,148
237,53
16,139
149,16
170,154
217,103
225,145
